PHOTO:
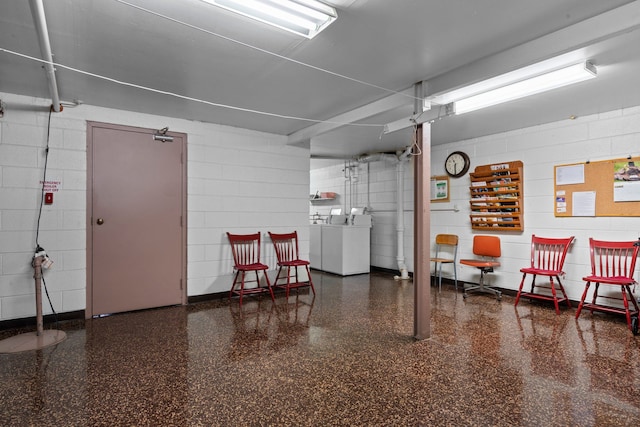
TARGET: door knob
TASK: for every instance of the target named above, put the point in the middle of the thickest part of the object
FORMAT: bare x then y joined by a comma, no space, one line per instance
100,221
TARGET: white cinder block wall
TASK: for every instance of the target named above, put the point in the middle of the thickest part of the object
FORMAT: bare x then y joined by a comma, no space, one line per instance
238,181
615,134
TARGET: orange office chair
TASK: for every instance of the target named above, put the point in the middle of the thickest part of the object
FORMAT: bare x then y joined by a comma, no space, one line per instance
488,249
286,247
246,258
547,259
447,243
612,263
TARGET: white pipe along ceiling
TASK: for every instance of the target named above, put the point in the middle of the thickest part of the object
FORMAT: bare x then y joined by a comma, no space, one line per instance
37,11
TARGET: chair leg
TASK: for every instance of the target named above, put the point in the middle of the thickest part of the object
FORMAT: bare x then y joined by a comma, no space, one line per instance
632,299
533,283
275,283
310,281
241,287
266,278
455,275
625,302
584,295
480,286
233,285
595,296
435,273
564,294
288,282
520,289
636,308
555,296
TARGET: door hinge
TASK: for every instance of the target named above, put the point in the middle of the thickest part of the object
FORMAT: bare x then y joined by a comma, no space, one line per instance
181,224
180,284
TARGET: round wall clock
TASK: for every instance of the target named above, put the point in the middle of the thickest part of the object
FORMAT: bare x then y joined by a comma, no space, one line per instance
457,164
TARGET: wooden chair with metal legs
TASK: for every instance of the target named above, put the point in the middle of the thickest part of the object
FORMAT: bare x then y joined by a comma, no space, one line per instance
446,244
487,248
286,247
612,263
547,259
246,258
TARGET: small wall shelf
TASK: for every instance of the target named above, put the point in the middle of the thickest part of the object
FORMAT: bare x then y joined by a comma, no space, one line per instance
319,197
497,196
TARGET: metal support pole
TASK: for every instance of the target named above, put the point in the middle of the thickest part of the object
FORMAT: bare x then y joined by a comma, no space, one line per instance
421,237
37,274
40,338
422,221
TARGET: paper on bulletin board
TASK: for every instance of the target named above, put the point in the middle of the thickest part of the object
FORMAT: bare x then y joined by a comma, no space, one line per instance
561,201
571,174
626,182
584,203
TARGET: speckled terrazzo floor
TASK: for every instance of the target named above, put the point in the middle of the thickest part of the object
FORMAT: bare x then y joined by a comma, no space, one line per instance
345,357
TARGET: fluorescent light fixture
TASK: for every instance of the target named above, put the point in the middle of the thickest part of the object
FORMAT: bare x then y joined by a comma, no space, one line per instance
538,84
303,17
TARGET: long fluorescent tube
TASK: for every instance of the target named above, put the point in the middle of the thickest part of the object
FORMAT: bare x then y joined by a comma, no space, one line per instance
538,84
303,17
505,79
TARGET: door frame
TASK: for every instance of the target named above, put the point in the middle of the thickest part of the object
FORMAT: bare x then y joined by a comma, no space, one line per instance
89,219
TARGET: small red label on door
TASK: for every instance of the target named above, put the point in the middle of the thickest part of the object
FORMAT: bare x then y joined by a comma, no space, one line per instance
48,198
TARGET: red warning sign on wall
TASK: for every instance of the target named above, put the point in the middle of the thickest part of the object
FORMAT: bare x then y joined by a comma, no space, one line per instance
50,186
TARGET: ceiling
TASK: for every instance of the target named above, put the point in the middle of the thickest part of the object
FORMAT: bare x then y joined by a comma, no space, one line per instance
337,90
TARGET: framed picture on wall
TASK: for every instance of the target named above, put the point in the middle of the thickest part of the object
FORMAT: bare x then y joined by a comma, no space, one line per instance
440,188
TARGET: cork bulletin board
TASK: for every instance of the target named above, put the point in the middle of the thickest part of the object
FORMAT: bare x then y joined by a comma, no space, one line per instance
601,188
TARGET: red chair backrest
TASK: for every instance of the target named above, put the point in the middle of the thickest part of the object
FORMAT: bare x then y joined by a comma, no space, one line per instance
285,245
245,248
488,246
613,259
549,253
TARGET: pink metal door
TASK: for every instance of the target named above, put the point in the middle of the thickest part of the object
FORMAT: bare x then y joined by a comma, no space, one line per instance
136,244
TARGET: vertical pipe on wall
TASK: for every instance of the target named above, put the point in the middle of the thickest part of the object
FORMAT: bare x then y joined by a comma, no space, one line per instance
400,159
346,178
368,186
400,168
37,11
355,179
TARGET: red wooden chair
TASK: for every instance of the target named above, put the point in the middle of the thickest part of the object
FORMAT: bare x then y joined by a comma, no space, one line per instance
547,259
612,263
286,247
488,249
246,258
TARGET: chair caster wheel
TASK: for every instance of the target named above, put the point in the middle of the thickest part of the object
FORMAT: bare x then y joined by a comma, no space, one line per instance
634,325
464,296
